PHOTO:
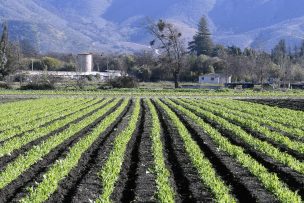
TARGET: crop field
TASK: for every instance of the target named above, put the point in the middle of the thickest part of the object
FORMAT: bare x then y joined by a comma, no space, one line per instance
119,149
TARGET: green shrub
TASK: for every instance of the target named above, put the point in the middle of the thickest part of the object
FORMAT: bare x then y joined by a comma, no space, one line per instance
123,82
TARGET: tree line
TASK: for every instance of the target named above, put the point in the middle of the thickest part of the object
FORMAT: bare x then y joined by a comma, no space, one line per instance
170,58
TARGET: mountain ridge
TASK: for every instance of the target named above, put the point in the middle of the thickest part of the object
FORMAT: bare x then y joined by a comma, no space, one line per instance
118,25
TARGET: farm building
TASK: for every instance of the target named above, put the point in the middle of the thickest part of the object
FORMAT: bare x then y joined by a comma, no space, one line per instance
84,69
214,78
103,76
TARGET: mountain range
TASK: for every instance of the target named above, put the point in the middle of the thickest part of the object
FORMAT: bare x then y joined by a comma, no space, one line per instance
119,25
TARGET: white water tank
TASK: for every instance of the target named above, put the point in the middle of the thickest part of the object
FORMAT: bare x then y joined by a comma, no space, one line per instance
85,62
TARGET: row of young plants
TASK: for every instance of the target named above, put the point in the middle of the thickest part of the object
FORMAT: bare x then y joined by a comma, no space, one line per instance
252,123
61,168
165,192
237,131
266,109
21,118
17,142
273,113
269,113
256,113
50,113
268,179
205,169
110,171
11,108
25,161
55,113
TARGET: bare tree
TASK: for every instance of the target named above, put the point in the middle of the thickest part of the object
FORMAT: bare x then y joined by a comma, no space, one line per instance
169,46
263,62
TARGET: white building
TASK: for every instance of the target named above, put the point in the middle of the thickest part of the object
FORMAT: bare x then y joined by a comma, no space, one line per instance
84,68
214,78
103,76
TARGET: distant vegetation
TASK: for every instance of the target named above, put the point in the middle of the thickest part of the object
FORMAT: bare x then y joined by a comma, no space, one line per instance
171,59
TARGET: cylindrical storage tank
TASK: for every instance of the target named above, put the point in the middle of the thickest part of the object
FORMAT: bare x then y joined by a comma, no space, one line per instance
85,63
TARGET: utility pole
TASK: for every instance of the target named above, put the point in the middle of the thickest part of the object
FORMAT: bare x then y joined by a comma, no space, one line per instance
107,58
32,64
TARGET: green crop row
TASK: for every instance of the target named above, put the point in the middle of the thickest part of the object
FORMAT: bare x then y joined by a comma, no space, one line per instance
20,107
22,118
270,113
252,123
23,125
263,118
255,143
269,180
25,161
200,162
53,114
109,173
165,192
17,142
59,170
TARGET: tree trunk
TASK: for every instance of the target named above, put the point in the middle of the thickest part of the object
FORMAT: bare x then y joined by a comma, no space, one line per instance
176,85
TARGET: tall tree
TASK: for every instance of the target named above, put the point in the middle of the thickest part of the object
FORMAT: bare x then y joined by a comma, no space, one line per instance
302,49
202,43
3,50
279,52
281,58
169,46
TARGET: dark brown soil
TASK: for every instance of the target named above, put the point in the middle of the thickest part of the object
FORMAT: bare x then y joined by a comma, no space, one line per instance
292,178
8,158
262,137
295,104
187,180
244,185
17,189
145,188
125,186
72,188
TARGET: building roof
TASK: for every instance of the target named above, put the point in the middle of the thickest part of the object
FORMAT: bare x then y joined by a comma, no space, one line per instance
214,75
70,73
85,54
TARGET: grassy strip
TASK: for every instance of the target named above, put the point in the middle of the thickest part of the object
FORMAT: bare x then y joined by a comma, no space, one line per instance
257,144
269,180
111,169
201,163
23,125
25,161
159,92
254,124
165,192
61,168
17,142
